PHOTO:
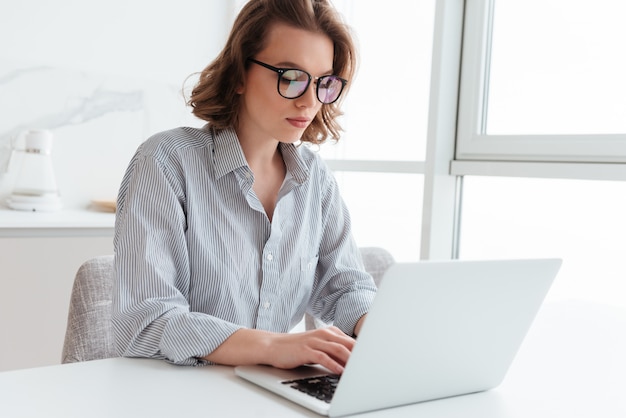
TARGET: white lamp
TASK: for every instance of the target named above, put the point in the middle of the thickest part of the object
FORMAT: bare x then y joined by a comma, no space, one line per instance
35,187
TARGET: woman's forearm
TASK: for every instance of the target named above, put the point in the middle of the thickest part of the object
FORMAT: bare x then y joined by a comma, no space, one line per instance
329,347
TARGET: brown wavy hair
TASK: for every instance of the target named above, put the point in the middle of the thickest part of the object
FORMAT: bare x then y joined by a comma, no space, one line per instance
214,97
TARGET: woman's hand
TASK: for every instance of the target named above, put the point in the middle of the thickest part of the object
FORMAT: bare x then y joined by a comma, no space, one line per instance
329,347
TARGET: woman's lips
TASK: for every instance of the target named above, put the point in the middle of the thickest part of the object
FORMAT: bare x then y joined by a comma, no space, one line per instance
299,122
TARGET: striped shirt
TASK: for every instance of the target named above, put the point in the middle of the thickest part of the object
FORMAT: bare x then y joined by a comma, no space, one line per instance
197,258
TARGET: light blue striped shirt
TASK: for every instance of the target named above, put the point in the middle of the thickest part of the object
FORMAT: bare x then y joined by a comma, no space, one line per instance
197,258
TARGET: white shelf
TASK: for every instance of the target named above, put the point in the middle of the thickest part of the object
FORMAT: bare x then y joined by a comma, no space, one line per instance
66,222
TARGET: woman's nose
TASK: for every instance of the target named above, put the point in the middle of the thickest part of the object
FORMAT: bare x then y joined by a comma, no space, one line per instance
309,98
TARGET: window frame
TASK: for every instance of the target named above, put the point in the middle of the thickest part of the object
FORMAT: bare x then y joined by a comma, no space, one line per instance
558,155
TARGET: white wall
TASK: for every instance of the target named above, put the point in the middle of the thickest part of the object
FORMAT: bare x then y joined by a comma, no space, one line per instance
102,76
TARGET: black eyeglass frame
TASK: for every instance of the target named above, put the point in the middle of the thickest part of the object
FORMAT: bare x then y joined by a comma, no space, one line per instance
281,71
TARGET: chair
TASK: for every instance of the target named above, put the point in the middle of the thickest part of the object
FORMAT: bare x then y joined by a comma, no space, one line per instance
89,334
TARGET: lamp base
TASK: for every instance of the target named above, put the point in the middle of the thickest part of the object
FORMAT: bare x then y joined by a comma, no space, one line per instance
30,203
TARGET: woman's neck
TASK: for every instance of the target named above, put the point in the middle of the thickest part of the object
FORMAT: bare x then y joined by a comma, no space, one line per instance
267,165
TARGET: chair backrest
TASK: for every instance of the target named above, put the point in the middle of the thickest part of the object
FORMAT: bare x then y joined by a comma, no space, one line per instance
376,260
89,334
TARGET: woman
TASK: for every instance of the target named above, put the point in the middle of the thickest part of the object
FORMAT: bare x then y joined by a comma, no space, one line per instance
226,235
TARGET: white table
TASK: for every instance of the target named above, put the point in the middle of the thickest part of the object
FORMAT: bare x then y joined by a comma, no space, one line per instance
572,364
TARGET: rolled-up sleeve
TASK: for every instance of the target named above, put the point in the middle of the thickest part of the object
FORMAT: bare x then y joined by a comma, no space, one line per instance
344,291
151,313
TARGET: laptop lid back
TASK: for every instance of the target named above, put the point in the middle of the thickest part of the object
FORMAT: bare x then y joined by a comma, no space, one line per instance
442,328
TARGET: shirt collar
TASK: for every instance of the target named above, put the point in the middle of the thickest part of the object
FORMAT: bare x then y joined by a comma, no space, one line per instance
228,156
227,153
294,162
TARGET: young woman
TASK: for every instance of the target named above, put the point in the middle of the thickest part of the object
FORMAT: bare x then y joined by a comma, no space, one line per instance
226,235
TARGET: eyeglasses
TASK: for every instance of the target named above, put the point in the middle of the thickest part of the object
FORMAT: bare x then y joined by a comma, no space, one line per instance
292,83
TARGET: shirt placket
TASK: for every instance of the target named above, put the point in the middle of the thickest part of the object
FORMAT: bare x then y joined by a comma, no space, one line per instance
269,295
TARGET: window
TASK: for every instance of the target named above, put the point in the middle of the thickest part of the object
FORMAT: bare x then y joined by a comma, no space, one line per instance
541,139
543,80
580,221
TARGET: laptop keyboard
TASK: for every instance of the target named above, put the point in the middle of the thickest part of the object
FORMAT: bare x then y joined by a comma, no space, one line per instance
321,387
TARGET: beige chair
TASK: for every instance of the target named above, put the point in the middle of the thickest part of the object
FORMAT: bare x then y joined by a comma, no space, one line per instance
89,334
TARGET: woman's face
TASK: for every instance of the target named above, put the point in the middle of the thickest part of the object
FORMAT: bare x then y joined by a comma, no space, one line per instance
264,113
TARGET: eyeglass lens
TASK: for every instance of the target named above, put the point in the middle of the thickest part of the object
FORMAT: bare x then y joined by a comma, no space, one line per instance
329,88
293,83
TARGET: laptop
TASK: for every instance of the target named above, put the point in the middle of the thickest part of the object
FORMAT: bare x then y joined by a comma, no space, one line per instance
436,329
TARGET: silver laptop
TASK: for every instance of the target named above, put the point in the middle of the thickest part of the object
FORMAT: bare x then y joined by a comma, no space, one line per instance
436,329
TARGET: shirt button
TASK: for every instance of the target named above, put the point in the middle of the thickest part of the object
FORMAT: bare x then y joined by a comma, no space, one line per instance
266,305
270,257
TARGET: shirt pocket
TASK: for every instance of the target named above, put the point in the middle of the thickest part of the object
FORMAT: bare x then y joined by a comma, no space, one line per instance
308,266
